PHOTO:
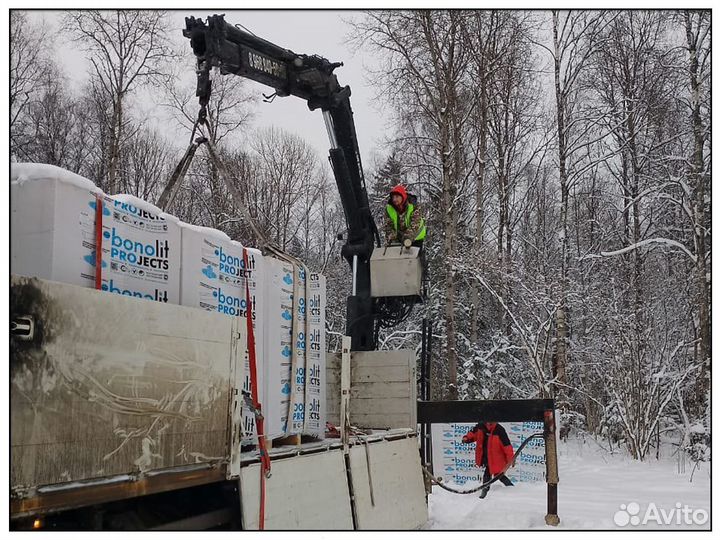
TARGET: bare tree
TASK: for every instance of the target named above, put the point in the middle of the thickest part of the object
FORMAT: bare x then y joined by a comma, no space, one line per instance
126,48
697,36
575,39
482,32
146,164
285,166
633,80
30,46
516,137
52,125
424,59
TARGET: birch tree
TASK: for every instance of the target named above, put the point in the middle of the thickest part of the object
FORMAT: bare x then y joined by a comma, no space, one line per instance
422,64
126,49
575,39
482,31
698,72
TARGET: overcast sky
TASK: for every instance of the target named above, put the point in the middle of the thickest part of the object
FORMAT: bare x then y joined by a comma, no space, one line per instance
320,32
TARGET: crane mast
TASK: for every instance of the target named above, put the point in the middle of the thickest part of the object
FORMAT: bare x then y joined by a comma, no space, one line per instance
310,77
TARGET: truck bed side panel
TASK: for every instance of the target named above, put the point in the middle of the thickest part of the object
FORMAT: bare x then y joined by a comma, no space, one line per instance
383,391
114,385
398,492
304,492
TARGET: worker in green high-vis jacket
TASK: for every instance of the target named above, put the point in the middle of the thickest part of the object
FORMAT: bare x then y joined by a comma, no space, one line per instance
404,223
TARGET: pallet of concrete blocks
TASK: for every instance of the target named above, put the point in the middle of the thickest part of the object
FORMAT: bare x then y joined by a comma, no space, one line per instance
315,381
295,350
141,247
148,254
214,277
53,224
279,292
296,422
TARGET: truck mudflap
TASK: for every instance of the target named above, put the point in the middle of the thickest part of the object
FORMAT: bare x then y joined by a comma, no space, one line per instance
310,491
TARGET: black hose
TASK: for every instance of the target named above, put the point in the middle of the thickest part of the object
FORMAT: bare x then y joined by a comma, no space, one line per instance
494,479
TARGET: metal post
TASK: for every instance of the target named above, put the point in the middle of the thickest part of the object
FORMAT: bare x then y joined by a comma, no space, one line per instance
428,367
345,389
424,450
427,393
345,420
354,276
551,472
423,357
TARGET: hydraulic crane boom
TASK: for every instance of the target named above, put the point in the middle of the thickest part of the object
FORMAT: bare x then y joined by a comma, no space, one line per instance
310,77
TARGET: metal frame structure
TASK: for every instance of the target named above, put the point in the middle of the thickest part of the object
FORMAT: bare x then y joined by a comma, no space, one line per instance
500,410
512,410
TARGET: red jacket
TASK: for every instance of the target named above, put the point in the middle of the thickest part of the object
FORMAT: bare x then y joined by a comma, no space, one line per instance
500,451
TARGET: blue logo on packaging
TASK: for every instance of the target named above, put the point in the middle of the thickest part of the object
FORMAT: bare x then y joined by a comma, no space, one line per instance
152,255
208,271
286,352
106,212
288,279
230,305
286,315
90,259
286,389
158,295
232,264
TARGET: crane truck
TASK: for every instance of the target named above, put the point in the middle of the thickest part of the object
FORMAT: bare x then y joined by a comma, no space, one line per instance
93,375
89,369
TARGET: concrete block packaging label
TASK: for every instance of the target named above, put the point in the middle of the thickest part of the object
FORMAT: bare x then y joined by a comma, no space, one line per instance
530,465
297,404
278,345
52,217
213,275
455,461
141,247
255,274
200,283
315,409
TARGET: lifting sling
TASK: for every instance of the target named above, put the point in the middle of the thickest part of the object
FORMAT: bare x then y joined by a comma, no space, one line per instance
267,248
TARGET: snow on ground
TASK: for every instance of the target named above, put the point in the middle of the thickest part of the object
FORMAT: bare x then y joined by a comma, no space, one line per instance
593,486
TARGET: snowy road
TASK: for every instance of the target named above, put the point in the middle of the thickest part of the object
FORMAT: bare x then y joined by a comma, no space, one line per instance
593,486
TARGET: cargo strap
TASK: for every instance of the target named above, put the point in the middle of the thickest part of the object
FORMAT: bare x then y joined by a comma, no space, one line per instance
487,484
257,409
267,249
99,202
